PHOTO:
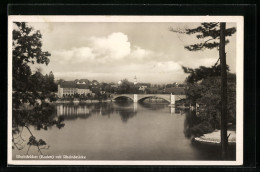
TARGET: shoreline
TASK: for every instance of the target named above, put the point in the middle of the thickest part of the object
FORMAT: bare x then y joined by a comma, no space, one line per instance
81,101
214,137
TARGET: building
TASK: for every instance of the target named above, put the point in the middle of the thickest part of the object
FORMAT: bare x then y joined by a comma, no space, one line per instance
83,89
68,88
142,88
146,85
81,82
86,81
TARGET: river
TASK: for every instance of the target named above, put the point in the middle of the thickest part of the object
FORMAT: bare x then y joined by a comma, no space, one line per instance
122,131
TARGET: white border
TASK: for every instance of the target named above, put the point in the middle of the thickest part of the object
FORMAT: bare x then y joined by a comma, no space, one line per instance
239,20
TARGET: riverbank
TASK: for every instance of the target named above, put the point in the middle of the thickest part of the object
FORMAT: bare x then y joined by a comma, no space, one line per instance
81,101
214,137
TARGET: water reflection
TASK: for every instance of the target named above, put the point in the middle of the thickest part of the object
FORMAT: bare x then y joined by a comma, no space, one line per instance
125,131
190,120
71,111
153,106
125,110
195,126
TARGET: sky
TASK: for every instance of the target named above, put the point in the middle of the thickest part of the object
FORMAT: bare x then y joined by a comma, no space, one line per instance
109,52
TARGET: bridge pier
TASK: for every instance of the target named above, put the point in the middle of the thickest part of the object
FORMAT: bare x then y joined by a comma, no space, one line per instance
135,98
172,99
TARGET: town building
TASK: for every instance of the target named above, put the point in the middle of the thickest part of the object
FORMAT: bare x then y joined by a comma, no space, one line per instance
142,88
68,88
83,89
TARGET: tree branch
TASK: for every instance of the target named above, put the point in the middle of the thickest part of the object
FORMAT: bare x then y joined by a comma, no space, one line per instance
16,144
216,62
28,149
39,150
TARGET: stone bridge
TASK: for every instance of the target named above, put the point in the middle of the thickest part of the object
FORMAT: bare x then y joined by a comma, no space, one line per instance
171,98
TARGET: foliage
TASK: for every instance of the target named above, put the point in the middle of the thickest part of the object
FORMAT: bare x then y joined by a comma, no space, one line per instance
30,90
198,74
53,87
208,33
26,50
58,82
203,83
213,35
171,85
206,93
199,129
207,118
127,87
40,83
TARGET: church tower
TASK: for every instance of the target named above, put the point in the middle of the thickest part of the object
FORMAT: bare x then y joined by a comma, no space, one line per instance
135,80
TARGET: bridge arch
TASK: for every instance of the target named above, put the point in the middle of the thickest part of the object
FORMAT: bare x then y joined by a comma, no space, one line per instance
156,96
124,95
136,97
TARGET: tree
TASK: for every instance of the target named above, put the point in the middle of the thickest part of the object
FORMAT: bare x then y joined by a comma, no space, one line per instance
60,81
29,88
207,91
169,85
214,36
209,33
193,89
127,87
26,50
37,82
202,72
51,83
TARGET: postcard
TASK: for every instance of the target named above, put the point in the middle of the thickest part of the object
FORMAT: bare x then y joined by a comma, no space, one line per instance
125,90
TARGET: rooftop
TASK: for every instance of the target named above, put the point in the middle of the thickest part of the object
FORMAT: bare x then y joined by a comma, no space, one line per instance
73,84
83,86
68,84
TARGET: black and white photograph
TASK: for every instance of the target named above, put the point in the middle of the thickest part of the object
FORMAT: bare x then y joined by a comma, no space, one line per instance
125,90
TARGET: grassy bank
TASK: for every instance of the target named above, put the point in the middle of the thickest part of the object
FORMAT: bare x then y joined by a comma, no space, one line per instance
214,137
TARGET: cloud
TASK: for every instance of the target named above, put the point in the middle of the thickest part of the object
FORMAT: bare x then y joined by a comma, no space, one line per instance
199,62
83,53
168,66
115,46
140,53
75,55
105,57
106,49
101,49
